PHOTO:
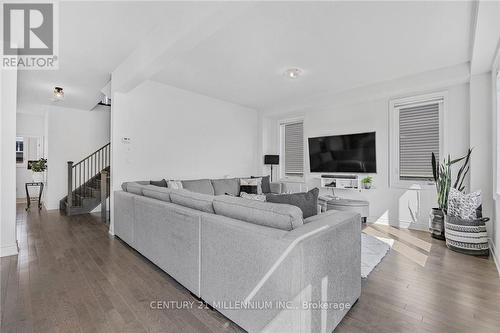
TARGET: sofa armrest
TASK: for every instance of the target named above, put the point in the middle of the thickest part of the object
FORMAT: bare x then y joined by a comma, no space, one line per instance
276,187
330,244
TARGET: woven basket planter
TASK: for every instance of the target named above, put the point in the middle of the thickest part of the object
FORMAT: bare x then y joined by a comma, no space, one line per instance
467,236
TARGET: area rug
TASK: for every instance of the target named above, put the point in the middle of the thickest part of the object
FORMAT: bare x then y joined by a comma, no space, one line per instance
373,250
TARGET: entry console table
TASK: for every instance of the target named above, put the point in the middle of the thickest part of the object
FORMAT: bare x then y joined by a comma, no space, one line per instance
351,205
28,197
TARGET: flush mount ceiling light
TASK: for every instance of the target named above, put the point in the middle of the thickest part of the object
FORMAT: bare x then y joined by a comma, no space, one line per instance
58,93
293,73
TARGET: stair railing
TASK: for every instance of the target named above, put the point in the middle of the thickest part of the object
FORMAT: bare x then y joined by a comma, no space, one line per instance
80,173
104,192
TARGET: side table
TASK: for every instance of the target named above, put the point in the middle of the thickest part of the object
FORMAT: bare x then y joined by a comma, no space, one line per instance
28,197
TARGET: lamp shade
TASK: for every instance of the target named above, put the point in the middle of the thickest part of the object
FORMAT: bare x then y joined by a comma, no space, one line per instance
272,159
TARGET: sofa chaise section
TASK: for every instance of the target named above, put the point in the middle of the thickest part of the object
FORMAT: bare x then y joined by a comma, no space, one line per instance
318,262
167,234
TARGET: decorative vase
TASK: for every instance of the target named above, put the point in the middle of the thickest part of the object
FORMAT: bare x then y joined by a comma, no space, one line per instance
436,222
367,186
38,177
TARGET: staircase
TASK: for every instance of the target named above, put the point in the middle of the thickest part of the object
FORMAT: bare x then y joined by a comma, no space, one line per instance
88,184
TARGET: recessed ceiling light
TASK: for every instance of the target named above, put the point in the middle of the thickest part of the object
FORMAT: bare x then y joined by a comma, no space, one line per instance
58,93
293,73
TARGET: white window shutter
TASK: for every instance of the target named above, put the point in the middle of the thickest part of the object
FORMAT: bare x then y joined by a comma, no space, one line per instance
294,149
418,138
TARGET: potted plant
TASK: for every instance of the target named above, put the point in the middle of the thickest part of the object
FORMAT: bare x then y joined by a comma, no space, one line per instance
367,182
38,168
442,179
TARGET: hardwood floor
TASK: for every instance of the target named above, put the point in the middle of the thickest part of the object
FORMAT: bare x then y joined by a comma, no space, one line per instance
71,276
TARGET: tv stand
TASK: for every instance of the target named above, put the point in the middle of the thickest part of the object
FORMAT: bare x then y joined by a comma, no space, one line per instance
341,182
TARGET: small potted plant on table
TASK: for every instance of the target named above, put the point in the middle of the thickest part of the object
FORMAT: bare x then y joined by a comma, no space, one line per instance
367,182
38,168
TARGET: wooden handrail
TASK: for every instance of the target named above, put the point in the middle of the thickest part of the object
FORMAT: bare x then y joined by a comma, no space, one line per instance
107,144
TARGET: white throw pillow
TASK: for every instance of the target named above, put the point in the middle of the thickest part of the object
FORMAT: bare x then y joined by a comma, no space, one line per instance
257,197
462,205
174,184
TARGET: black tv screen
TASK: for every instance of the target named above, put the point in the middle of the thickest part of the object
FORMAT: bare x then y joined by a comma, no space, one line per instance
343,153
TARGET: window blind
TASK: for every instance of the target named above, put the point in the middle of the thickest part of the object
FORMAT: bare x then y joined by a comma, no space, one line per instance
294,148
418,139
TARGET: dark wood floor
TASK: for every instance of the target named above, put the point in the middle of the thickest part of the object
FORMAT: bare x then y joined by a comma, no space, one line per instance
71,276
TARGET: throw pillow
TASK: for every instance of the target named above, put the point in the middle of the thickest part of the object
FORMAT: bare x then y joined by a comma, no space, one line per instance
306,201
251,185
266,184
464,206
257,197
160,183
174,184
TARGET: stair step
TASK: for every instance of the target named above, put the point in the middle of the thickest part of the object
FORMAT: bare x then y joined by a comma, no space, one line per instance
87,196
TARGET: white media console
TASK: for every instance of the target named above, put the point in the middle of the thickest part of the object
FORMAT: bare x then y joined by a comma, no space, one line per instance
350,182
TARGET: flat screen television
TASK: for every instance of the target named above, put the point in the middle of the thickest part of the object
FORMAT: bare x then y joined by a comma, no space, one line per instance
343,153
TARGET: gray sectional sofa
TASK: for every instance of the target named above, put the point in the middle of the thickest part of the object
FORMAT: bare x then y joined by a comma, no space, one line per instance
260,264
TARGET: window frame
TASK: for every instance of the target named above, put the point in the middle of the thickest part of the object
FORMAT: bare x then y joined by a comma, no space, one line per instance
496,125
394,106
281,127
24,163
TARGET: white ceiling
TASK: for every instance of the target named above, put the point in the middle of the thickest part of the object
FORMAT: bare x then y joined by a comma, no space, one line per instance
339,45
95,37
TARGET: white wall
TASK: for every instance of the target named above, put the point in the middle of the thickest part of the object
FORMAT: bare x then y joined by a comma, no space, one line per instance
387,205
177,134
8,101
30,124
71,136
495,125
481,175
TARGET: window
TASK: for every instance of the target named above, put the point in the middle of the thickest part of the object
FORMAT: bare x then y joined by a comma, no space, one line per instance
292,149
19,150
416,132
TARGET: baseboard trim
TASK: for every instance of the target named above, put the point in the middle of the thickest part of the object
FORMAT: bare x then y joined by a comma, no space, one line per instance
9,250
494,255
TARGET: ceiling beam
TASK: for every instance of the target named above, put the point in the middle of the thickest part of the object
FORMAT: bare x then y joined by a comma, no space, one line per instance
163,45
486,36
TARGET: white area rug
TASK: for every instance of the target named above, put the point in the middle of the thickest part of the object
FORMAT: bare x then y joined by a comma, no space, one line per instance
373,250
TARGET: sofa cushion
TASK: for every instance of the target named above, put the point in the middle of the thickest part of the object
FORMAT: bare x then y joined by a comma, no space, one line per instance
285,217
139,182
306,201
159,183
203,186
135,187
199,201
157,192
229,186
